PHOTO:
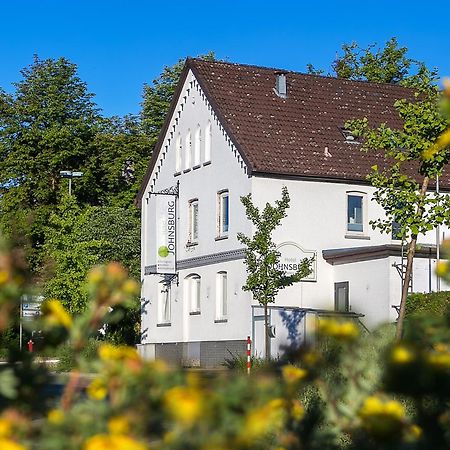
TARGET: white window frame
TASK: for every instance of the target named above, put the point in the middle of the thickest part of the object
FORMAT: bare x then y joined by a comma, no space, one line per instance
188,151
208,141
164,306
221,295
223,227
197,146
178,154
192,289
364,222
193,231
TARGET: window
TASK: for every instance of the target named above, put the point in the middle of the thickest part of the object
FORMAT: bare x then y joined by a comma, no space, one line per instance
192,292
223,217
178,150
355,218
208,132
221,295
197,146
164,303
188,151
193,221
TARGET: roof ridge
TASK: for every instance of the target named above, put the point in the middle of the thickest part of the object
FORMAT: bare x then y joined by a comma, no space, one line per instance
195,60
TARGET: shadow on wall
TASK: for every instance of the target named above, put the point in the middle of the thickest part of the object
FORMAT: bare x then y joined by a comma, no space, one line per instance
291,320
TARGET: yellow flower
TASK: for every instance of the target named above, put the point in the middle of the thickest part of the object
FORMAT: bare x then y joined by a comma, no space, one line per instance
442,268
382,418
415,431
269,418
118,425
55,416
108,352
297,410
115,442
5,428
338,330
55,314
97,390
4,276
130,287
8,444
184,404
439,360
292,374
402,355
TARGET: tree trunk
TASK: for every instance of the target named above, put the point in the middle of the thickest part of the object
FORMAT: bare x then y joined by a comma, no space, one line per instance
266,332
409,265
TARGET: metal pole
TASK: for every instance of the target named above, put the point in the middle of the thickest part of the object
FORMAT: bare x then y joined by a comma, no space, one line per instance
20,324
438,243
249,360
70,186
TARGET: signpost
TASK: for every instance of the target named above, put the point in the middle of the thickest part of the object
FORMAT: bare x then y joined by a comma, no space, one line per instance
30,308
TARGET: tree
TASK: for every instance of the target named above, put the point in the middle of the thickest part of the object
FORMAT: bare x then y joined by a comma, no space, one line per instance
264,278
415,155
157,97
389,64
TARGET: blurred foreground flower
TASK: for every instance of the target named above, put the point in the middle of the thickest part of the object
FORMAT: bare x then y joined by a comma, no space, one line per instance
55,314
293,375
113,442
97,390
402,355
8,444
382,418
338,330
185,404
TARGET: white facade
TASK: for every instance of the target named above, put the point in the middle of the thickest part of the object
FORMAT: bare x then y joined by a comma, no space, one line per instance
208,304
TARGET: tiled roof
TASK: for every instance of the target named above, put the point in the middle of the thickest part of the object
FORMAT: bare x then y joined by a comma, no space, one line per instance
301,134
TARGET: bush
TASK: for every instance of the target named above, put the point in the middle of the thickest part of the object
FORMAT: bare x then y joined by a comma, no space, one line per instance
431,303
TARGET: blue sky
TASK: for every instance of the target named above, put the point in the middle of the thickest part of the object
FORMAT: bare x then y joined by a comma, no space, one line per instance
119,45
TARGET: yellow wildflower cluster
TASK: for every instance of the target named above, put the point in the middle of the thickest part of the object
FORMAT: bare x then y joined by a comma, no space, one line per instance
293,375
402,355
8,444
110,284
55,314
269,418
382,418
113,442
339,330
97,390
185,404
5,428
439,358
109,352
55,416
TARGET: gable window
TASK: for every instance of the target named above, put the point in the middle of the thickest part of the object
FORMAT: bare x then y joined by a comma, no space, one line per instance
223,213
188,151
192,292
178,152
197,145
355,212
221,295
193,221
163,303
208,132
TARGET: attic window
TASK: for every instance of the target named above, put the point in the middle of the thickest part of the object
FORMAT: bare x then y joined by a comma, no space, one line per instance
280,84
349,136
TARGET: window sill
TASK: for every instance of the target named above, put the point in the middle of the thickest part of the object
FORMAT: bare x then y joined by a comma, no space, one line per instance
194,313
191,244
221,321
221,238
166,324
207,163
177,174
186,170
357,236
197,166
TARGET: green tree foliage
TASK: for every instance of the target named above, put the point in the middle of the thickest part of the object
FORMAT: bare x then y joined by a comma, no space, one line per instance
412,161
157,97
389,64
264,278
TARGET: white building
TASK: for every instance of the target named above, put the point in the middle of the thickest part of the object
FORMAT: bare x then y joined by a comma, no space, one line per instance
233,130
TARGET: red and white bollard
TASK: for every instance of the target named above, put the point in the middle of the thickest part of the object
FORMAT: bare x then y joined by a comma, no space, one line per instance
30,346
249,360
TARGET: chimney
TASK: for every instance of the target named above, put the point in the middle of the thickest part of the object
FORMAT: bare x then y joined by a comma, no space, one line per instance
280,84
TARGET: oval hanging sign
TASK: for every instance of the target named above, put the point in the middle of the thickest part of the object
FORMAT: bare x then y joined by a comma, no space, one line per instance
291,255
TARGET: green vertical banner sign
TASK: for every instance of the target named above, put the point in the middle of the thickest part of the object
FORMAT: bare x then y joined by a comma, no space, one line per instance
166,233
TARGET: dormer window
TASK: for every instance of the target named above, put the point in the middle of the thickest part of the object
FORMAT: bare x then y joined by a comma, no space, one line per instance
348,136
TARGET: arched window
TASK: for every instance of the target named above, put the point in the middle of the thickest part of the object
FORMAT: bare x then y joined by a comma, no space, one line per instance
188,151
197,147
221,295
178,152
192,292
208,132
